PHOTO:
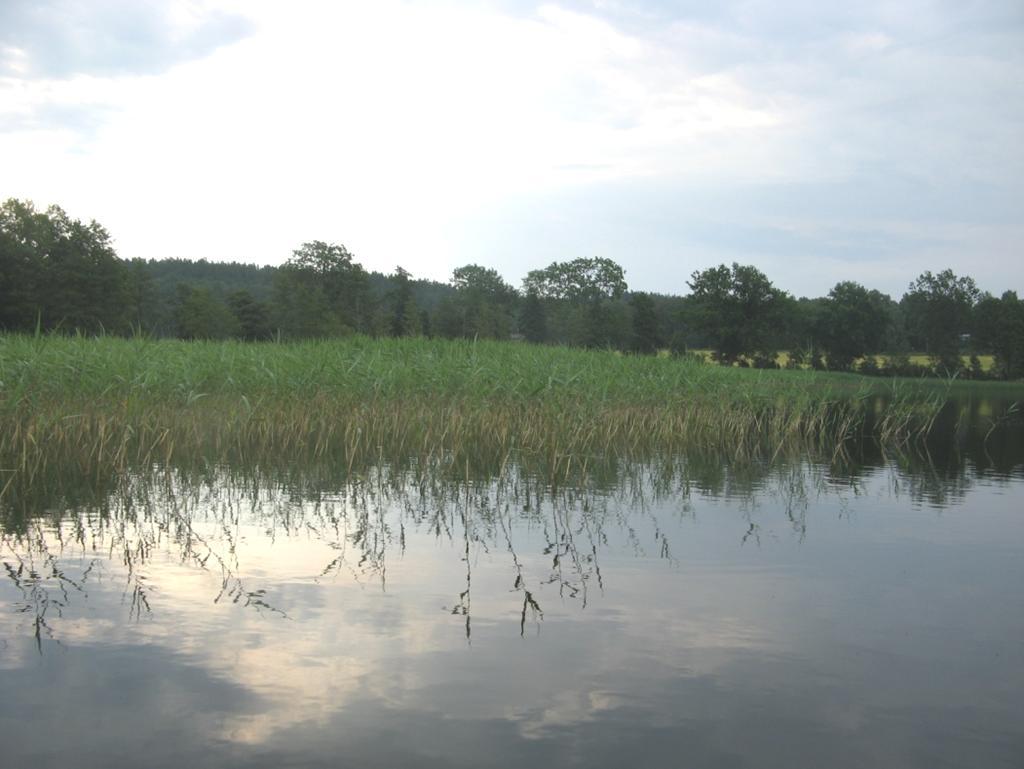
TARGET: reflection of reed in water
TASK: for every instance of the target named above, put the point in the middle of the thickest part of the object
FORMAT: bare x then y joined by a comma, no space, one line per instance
36,575
966,437
193,515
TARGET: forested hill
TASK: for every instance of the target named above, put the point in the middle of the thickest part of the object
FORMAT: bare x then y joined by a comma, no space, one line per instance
170,283
62,275
225,278
220,278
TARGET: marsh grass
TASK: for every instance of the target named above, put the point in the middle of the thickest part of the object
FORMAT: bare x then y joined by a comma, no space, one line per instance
101,406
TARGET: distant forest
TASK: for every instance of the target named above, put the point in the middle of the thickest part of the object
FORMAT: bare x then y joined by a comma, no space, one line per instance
59,274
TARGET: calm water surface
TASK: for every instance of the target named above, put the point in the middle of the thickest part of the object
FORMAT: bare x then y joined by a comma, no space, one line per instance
675,613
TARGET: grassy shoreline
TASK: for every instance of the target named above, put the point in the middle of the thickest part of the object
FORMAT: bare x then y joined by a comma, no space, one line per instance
105,405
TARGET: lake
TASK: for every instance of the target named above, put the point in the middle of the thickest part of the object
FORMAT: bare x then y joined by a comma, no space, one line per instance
858,610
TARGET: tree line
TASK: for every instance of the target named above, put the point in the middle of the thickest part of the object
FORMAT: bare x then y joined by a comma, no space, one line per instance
60,274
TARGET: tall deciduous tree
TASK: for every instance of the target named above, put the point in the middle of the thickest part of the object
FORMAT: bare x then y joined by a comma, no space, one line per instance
483,304
584,279
852,323
738,309
938,309
321,291
579,296
22,234
999,325
58,271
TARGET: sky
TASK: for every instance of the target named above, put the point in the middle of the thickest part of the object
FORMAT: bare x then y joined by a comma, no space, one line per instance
820,142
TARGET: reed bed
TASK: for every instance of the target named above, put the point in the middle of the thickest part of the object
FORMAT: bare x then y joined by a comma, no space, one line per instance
110,405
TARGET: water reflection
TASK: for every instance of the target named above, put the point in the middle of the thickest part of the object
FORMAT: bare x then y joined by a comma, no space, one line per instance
356,527
860,609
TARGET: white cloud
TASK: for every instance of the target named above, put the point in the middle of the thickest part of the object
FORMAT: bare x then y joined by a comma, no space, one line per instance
393,126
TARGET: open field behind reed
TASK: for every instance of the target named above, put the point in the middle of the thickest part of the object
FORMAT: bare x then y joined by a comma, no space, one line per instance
103,405
918,359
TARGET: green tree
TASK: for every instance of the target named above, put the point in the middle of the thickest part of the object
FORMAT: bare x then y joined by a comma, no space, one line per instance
320,292
802,325
852,323
579,297
738,311
483,304
200,315
142,304
584,279
483,280
22,232
604,324
301,309
405,313
58,270
938,311
448,318
86,281
533,319
647,337
252,316
999,326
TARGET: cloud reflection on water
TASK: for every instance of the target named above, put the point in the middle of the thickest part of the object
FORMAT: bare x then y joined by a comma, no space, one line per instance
861,631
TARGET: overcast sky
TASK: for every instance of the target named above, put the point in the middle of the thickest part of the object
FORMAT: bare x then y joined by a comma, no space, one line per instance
818,141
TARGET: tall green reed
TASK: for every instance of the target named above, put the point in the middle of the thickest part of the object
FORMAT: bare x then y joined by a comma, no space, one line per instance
108,405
